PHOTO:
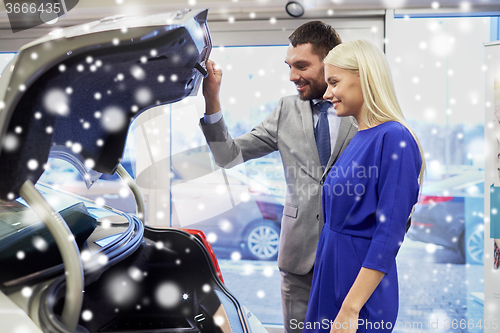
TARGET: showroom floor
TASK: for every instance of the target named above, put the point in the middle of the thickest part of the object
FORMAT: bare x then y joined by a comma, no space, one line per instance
435,294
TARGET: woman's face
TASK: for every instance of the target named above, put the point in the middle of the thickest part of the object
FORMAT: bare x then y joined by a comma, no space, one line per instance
344,90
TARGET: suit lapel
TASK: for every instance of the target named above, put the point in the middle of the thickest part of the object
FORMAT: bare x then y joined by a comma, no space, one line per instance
308,126
344,129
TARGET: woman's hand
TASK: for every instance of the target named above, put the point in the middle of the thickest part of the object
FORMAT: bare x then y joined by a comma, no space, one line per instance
345,322
361,290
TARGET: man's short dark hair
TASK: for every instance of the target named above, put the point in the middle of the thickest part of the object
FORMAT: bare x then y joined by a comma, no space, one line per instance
321,35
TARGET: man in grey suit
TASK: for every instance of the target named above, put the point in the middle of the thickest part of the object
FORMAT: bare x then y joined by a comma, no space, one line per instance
292,129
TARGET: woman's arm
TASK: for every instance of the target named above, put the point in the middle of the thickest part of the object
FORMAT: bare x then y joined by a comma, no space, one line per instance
364,285
397,190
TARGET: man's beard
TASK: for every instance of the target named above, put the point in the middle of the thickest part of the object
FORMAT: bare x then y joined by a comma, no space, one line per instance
314,92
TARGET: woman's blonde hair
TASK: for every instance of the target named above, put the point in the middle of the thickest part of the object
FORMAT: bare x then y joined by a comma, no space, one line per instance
366,59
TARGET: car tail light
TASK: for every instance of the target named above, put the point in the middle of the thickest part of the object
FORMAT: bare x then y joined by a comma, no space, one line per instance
268,210
430,199
201,235
257,188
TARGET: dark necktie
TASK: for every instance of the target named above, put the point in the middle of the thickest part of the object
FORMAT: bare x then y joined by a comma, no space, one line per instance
322,133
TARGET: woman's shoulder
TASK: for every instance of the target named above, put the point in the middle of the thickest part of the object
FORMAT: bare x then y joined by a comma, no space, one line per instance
390,133
391,126
398,136
393,129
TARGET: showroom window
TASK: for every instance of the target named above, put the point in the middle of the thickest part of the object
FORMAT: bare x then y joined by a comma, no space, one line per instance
5,58
439,74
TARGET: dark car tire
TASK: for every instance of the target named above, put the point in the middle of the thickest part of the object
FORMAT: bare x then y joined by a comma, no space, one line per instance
461,246
261,240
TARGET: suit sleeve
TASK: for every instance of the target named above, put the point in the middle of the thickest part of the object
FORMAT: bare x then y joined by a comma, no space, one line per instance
397,192
260,141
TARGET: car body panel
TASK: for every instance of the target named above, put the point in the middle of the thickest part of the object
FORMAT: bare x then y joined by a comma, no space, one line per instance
14,319
123,85
450,214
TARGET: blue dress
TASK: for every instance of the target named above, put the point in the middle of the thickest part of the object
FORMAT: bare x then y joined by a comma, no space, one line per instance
367,198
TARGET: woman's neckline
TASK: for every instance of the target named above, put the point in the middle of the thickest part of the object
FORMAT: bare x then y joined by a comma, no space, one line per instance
369,128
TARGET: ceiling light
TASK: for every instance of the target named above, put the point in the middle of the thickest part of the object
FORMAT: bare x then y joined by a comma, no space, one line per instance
294,9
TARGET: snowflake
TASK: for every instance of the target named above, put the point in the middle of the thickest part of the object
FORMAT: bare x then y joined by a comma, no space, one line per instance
32,164
135,274
85,255
20,254
26,292
102,259
87,315
113,119
76,148
56,102
168,295
40,244
137,72
212,238
143,95
235,256
11,142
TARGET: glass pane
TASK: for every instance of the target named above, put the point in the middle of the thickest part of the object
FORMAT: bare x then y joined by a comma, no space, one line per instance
108,190
239,209
437,64
5,58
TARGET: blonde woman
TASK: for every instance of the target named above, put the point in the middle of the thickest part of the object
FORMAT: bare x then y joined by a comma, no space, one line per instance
367,198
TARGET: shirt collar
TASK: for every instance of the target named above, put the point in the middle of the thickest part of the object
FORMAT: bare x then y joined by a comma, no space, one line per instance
317,100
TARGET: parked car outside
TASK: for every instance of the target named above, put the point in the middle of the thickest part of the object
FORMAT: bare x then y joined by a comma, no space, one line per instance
450,213
231,212
110,190
250,226
267,176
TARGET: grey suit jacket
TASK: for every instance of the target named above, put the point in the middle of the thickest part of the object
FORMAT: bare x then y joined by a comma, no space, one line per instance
288,129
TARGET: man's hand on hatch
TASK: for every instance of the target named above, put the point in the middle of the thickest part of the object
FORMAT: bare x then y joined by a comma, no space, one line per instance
211,88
